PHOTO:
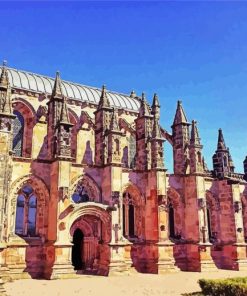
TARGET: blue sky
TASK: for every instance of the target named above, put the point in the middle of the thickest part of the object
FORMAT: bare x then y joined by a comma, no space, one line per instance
193,51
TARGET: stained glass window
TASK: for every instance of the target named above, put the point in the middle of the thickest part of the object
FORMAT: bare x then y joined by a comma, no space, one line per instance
18,128
19,222
80,195
26,208
32,206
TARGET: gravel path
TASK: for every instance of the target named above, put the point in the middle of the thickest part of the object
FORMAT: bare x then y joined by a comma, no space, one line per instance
137,284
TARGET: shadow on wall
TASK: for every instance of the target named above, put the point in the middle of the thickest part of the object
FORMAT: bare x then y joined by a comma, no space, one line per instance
39,259
145,257
88,155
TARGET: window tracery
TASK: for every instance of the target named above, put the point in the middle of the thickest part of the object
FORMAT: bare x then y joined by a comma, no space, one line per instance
131,216
26,208
80,195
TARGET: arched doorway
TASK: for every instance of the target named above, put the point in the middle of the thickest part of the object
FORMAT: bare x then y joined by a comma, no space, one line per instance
77,250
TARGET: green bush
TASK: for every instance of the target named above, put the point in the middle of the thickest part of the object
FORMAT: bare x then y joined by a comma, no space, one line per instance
224,287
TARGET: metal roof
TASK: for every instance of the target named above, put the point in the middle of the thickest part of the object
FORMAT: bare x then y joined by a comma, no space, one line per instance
43,84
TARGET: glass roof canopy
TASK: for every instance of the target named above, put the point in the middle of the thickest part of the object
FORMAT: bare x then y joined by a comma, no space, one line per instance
38,83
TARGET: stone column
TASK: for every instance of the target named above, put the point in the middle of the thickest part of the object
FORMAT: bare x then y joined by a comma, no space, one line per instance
60,181
120,261
5,179
198,246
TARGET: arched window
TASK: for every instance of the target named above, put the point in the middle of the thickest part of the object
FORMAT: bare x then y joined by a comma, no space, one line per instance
117,146
171,222
128,216
209,225
18,130
32,207
125,158
19,221
225,161
199,156
26,208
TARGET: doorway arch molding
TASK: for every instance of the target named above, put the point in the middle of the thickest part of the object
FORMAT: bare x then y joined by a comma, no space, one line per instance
90,209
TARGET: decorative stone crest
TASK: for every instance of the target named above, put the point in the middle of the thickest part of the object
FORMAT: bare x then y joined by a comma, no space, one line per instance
64,141
237,206
63,193
115,198
42,114
201,203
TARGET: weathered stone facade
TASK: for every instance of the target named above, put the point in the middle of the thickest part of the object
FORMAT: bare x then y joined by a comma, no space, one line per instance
84,189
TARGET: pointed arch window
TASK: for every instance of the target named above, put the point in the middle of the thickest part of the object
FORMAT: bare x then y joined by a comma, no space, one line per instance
225,161
210,236
128,216
171,222
26,210
18,130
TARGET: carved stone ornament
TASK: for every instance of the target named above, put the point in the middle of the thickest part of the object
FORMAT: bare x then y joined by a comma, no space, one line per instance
237,206
201,203
42,114
64,142
63,193
162,200
5,123
115,197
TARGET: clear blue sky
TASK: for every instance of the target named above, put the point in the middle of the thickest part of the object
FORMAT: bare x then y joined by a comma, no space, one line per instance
194,51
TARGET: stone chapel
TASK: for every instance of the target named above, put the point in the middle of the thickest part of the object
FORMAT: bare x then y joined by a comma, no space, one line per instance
84,188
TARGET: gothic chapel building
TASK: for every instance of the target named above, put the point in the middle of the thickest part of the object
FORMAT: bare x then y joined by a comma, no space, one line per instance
84,189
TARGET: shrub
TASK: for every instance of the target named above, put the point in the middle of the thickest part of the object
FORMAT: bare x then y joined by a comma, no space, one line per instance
224,287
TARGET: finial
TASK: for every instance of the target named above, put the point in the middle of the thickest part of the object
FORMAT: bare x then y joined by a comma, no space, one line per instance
179,102
143,96
57,87
132,94
221,142
155,101
114,121
104,101
4,63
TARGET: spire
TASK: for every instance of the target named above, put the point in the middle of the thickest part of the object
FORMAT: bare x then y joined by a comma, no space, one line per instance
104,101
180,116
4,79
144,109
57,88
64,112
221,142
156,107
231,164
222,160
155,102
114,125
156,133
194,138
